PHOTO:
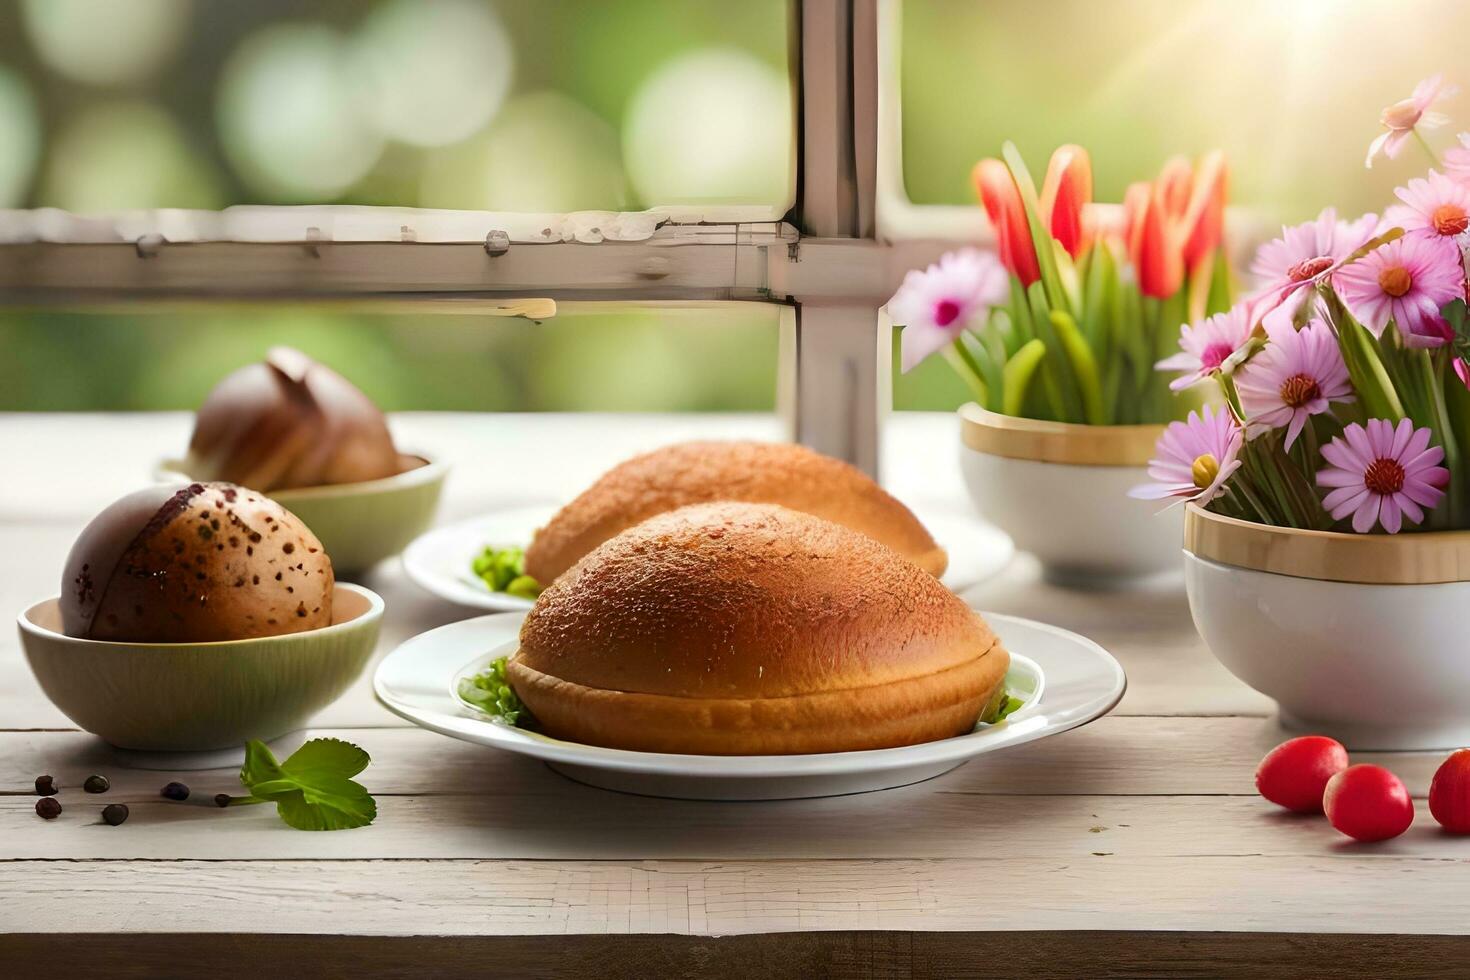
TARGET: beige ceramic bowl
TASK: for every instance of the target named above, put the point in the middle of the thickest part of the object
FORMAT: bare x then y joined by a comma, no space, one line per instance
199,697
360,524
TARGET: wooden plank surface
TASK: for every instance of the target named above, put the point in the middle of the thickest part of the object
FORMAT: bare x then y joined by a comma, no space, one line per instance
1339,893
876,955
1124,835
1119,755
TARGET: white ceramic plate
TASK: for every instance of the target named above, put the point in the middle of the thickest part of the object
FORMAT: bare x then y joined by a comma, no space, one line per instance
1081,682
439,561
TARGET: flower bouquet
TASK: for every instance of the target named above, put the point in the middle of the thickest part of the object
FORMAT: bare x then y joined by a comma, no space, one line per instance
1343,420
1057,334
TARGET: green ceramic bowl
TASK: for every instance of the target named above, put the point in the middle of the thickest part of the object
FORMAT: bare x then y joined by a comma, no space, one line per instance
360,524
199,697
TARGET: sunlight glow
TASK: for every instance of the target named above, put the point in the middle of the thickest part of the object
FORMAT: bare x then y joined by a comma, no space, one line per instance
106,42
710,126
288,114
432,72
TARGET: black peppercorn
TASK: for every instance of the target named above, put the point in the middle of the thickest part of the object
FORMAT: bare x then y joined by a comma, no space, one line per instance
115,813
96,784
176,791
48,808
45,786
222,799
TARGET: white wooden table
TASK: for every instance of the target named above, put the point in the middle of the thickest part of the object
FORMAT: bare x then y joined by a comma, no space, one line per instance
1134,846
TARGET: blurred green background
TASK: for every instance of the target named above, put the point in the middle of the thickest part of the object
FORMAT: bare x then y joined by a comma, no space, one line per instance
558,105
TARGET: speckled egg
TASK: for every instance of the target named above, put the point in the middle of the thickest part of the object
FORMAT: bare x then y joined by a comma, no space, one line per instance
205,562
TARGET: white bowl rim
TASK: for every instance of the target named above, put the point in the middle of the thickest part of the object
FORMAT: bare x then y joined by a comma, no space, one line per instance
171,469
373,612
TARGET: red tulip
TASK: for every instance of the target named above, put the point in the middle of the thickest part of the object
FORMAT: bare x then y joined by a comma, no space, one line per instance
1176,183
1002,200
1065,194
1155,248
1204,221
1135,202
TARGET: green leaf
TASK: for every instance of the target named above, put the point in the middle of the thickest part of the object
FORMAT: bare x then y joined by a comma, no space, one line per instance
260,764
330,755
334,803
490,691
1018,373
1002,705
1084,367
313,789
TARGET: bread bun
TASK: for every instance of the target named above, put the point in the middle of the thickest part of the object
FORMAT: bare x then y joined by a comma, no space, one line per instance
290,422
195,564
754,472
752,629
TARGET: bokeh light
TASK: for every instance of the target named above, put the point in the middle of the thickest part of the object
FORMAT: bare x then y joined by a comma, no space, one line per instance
20,138
432,72
288,114
106,42
545,152
116,156
712,126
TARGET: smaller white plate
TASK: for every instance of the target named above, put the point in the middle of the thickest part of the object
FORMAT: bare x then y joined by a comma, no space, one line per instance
439,560
1069,679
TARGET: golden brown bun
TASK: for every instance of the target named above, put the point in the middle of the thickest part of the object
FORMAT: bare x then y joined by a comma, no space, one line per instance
754,472
743,629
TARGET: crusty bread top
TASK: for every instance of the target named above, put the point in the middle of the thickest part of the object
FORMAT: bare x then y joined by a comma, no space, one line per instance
733,600
756,472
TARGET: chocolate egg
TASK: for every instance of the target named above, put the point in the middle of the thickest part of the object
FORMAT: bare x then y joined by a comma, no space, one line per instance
290,422
205,562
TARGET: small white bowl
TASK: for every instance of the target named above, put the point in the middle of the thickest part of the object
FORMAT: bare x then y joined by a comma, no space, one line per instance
1359,637
1061,492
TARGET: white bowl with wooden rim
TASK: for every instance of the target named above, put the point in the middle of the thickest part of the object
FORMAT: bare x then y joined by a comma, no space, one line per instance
1061,492
1356,636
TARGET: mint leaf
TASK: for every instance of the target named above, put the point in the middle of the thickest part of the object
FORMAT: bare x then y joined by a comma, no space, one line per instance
329,755
328,803
260,764
313,789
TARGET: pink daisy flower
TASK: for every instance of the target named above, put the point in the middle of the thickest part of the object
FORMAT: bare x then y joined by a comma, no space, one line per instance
1287,267
1382,474
1457,159
1403,117
1406,282
1296,376
935,305
1194,458
1204,346
1435,206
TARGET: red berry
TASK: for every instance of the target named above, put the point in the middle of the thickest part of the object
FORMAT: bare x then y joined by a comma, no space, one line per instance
1368,803
1449,793
1295,773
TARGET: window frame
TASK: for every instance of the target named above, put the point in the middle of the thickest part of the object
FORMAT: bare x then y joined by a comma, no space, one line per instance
823,258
